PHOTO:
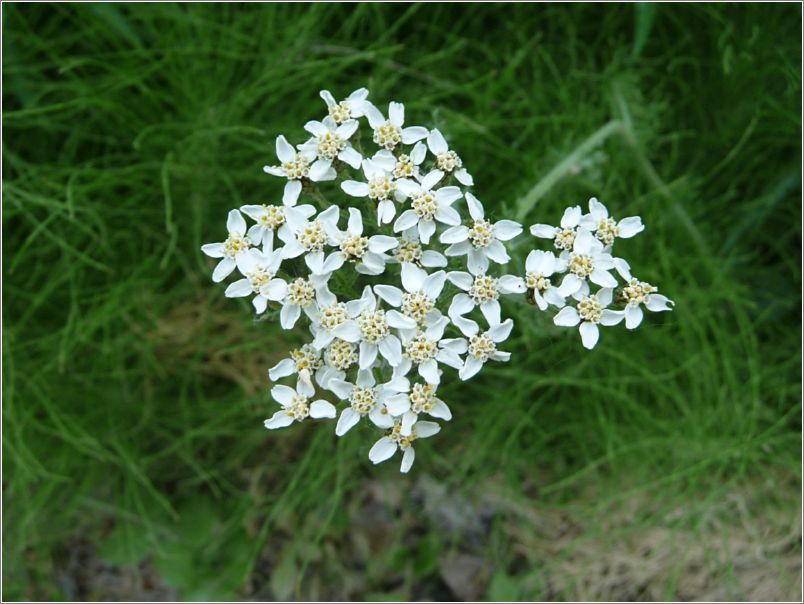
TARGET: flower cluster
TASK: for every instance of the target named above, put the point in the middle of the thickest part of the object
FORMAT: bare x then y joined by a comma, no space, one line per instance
399,271
584,244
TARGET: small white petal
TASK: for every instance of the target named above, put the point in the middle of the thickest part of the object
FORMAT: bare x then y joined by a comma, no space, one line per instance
567,317
322,409
280,419
383,449
407,460
413,134
213,250
427,429
223,269
291,194
238,289
545,231
589,334
475,207
355,188
506,229
437,142
349,417
628,227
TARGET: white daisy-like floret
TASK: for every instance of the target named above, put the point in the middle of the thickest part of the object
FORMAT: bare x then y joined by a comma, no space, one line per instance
366,398
482,344
305,362
368,252
311,237
330,142
301,295
332,320
295,167
427,206
446,159
540,266
380,186
259,277
427,347
606,229
482,241
351,107
409,249
564,236
375,329
386,447
407,165
591,311
418,301
484,291
339,357
389,133
637,294
421,398
270,218
296,405
587,262
236,245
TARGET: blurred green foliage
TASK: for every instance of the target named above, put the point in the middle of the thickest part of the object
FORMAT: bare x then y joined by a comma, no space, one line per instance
134,392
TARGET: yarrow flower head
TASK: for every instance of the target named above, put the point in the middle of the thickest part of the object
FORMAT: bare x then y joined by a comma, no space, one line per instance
384,284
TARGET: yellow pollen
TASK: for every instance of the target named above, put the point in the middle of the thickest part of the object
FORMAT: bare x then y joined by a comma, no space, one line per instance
387,135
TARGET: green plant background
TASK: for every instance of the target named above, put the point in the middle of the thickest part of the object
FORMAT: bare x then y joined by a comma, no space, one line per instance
664,464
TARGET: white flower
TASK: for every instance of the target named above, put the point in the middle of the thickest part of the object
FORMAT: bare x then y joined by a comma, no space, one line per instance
270,218
296,405
484,291
352,106
375,329
304,362
539,267
330,141
259,269
407,166
409,249
366,398
332,320
587,261
389,133
420,399
311,237
368,252
386,447
590,312
447,160
420,295
427,206
381,187
482,345
427,348
637,294
339,356
301,295
605,228
235,246
482,241
564,236
294,167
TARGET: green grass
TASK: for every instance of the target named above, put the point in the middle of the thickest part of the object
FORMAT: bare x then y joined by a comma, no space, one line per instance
134,392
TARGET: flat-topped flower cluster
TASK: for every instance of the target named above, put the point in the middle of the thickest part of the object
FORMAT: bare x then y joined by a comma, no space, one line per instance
400,278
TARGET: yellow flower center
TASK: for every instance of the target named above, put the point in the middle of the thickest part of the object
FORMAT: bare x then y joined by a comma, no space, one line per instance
329,145
565,238
306,357
421,349
481,234
589,309
273,218
448,161
387,135
354,247
581,265
422,398
341,354
333,316
340,112
537,281
405,168
416,305
408,251
373,326
301,292
425,205
235,244
484,289
481,346
363,400
313,237
297,168
298,408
